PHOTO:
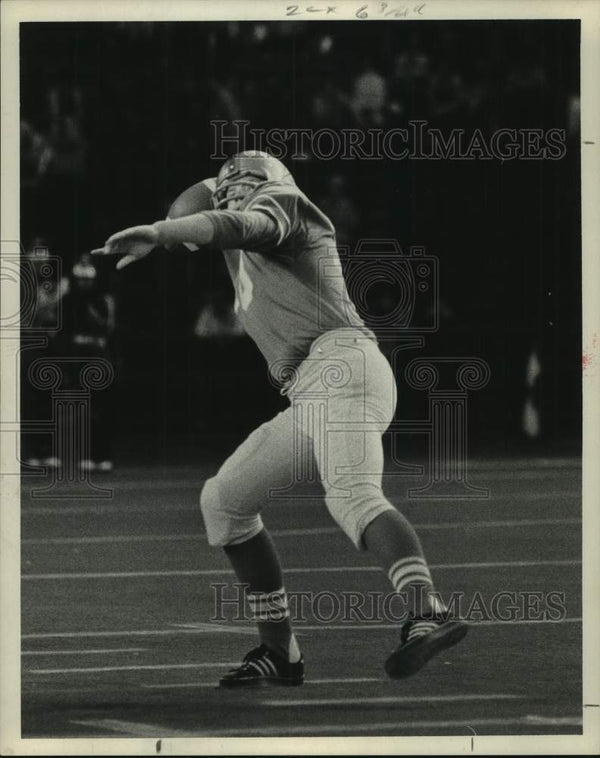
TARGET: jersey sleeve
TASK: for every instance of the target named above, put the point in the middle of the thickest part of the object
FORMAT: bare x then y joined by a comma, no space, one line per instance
252,230
280,210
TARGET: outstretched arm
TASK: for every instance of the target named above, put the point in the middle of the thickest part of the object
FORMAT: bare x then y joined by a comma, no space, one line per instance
223,229
134,244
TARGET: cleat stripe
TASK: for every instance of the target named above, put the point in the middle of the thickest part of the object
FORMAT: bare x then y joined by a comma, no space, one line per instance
264,666
260,666
257,667
271,666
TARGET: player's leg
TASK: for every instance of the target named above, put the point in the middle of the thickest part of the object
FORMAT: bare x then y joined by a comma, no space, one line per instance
360,402
231,503
360,405
427,629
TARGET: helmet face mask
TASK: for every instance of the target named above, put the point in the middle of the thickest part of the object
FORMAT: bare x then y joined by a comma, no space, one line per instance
232,191
240,176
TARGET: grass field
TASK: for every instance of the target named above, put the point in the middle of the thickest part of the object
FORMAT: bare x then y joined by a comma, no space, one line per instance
117,600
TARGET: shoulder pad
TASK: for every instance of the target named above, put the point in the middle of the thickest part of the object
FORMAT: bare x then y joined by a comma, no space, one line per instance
278,201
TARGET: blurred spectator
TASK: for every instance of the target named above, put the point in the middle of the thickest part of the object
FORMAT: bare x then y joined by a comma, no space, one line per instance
225,106
151,129
212,402
446,95
217,318
329,107
573,116
55,151
526,94
47,302
65,132
36,155
90,323
50,291
408,81
479,110
368,101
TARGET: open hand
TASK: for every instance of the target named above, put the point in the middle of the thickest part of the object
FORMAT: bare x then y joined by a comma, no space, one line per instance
134,243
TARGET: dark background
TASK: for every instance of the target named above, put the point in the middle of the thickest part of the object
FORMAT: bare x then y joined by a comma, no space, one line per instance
115,124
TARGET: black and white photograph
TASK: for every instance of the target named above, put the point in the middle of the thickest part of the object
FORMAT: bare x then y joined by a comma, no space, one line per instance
299,358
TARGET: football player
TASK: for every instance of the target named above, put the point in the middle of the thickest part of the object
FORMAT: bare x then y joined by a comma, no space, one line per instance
290,296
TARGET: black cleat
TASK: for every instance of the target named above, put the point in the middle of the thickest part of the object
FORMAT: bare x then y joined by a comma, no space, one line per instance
263,668
422,638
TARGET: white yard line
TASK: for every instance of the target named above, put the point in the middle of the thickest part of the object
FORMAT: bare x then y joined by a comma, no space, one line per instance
153,667
106,651
551,720
374,626
387,700
133,728
312,532
136,729
204,628
214,683
316,500
207,685
106,633
297,570
400,726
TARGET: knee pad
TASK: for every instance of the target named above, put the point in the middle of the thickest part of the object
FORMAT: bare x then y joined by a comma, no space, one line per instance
226,522
354,514
215,520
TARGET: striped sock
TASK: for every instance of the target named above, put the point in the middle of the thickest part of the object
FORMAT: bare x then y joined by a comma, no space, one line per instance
411,576
271,613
